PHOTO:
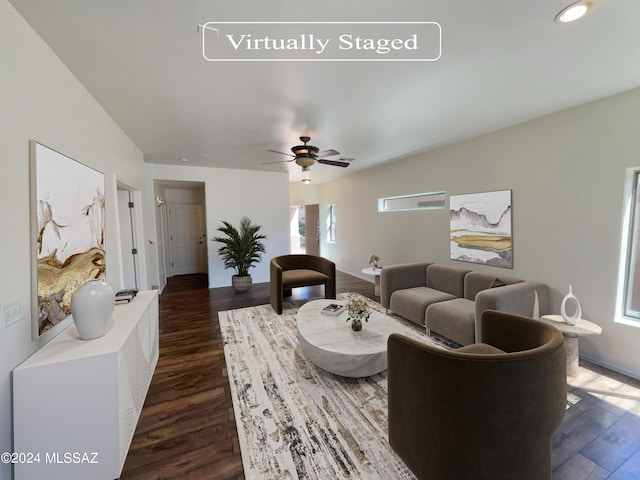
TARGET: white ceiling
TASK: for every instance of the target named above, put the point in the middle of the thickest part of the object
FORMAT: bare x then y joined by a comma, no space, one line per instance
502,62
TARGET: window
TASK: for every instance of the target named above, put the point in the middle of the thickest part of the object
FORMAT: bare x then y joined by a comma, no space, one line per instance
418,201
331,224
631,299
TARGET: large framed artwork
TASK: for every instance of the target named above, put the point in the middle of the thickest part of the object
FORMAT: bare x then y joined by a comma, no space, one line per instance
480,228
67,230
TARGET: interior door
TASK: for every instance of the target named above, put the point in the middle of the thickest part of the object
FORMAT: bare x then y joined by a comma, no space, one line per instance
186,238
312,229
126,219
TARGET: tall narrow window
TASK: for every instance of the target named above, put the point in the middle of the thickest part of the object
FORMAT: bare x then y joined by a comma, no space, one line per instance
632,273
331,224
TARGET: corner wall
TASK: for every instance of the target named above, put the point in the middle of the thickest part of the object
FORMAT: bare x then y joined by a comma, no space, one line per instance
566,172
41,100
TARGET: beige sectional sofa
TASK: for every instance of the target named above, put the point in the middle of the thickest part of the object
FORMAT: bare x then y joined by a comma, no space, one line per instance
449,301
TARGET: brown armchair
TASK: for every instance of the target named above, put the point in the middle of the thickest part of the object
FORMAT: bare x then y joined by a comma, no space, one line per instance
484,411
296,270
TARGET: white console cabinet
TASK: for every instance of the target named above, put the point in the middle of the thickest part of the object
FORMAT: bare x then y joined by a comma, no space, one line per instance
76,403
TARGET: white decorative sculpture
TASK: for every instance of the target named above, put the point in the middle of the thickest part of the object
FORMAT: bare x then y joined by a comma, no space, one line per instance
573,319
92,308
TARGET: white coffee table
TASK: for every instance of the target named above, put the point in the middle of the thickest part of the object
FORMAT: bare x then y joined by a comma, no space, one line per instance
331,344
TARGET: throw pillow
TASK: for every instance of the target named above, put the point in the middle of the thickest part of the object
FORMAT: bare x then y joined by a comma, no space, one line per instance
497,283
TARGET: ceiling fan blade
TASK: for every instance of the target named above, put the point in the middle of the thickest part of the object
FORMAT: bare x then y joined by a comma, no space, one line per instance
283,153
328,153
279,161
335,163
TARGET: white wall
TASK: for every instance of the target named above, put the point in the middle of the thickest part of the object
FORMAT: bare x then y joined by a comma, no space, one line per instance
41,100
230,195
566,172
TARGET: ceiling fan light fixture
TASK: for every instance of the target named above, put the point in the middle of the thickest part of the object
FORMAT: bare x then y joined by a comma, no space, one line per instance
575,11
305,160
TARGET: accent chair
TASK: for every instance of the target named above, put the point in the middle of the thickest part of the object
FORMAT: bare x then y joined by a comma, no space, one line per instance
300,270
484,411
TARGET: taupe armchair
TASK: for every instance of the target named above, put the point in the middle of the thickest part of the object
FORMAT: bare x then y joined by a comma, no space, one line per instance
484,411
299,270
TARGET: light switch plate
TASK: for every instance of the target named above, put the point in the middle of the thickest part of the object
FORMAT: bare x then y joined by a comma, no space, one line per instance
12,313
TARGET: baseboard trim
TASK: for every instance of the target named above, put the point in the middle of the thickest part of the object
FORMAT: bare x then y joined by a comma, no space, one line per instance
361,276
615,368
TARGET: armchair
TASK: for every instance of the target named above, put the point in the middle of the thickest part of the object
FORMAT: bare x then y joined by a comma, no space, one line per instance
296,270
484,411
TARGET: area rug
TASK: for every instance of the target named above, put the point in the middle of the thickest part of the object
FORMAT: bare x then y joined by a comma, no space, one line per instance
295,420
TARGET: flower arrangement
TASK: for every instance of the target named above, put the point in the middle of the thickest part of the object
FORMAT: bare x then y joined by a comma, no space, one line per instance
357,310
373,260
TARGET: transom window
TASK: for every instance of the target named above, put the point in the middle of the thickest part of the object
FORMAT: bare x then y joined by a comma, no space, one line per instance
418,201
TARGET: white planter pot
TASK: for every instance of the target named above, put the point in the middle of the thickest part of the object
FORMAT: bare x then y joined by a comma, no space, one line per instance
92,309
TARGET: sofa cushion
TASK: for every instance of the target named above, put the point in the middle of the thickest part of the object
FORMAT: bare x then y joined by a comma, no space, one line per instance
454,319
302,277
475,282
446,279
411,303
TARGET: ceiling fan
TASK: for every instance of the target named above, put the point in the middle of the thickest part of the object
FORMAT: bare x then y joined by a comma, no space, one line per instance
306,155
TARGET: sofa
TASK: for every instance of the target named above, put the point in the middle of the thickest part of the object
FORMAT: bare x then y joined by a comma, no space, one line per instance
449,300
300,270
482,411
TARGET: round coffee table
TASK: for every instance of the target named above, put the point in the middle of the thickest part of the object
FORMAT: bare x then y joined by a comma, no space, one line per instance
330,343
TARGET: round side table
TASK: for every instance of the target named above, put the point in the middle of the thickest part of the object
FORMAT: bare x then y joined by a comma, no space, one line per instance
571,333
376,274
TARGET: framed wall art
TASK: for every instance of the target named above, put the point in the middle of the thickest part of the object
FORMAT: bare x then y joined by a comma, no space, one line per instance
480,228
67,230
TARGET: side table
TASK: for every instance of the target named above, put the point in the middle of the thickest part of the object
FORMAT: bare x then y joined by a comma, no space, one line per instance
571,333
376,274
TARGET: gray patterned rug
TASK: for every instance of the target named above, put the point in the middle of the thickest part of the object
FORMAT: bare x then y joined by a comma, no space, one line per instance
295,420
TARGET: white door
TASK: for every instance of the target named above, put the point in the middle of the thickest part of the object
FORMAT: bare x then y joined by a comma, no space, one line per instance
125,215
186,238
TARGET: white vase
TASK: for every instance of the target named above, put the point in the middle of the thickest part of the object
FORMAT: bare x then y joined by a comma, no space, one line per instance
92,308
570,319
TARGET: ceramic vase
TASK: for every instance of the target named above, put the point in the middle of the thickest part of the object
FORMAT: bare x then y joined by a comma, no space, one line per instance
570,298
92,309
356,324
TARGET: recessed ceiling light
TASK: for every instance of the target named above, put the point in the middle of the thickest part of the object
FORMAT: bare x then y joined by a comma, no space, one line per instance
184,160
306,181
575,11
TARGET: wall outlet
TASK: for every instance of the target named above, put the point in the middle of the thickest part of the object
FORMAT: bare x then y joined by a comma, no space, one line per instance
12,313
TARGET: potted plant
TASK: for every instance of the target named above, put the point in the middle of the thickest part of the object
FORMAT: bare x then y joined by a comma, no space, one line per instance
241,249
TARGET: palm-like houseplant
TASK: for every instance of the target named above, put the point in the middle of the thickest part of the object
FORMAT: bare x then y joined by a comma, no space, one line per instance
241,249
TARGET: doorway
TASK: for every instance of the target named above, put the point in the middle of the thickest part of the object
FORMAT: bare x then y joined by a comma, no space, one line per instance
127,237
305,229
180,229
186,238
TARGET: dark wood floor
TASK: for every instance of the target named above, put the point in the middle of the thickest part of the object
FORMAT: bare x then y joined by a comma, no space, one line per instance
187,428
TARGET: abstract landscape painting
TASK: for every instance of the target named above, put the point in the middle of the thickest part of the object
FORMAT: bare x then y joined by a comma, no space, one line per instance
68,230
480,228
